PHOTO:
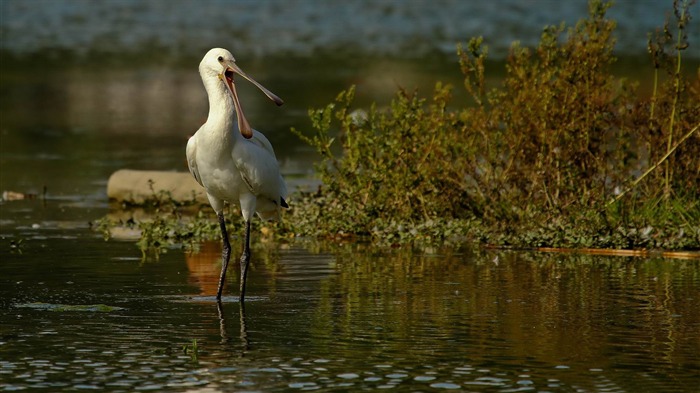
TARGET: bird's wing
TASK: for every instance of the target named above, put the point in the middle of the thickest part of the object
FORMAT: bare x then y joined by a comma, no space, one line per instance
262,141
256,161
192,159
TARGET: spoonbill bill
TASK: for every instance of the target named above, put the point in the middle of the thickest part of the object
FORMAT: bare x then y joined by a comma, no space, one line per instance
233,162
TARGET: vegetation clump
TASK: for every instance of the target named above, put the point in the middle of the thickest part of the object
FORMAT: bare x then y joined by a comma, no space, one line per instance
555,156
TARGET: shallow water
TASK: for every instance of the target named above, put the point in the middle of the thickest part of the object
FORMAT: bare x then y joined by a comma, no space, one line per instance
351,319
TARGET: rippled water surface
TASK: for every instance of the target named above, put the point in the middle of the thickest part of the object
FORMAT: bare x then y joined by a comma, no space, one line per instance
81,313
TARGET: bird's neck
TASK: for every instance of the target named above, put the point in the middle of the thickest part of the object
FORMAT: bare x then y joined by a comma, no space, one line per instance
221,108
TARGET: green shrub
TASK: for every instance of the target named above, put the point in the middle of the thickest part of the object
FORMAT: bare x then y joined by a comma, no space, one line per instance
536,161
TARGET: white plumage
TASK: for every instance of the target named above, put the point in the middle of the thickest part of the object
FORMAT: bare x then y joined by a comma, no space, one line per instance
233,162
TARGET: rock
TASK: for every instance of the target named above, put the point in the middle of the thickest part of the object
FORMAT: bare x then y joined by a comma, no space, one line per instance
136,187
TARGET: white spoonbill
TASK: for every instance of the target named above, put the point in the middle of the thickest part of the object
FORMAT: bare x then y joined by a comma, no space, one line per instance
233,162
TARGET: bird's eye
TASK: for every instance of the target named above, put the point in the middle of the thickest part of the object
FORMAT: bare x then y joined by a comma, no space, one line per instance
221,58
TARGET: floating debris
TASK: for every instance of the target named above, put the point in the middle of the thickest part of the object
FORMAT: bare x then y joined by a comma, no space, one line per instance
17,196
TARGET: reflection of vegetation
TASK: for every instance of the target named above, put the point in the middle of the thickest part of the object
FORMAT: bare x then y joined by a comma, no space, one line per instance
504,305
554,157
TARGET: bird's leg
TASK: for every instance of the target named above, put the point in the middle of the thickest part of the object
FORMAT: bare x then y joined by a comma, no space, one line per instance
225,254
245,259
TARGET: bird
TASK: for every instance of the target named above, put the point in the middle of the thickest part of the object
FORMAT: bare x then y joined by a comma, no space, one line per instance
233,162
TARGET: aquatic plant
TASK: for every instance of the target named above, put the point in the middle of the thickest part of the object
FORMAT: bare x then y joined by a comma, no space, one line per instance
192,350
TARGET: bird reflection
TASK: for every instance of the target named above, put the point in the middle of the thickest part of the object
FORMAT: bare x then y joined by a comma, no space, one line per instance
222,323
223,332
244,329
204,268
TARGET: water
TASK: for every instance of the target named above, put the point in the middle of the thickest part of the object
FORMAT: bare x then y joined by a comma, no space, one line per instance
394,27
81,313
352,319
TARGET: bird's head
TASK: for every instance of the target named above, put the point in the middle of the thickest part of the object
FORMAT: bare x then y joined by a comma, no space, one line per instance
220,63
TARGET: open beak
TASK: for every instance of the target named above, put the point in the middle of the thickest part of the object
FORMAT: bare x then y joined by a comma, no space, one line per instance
243,125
